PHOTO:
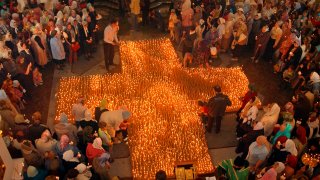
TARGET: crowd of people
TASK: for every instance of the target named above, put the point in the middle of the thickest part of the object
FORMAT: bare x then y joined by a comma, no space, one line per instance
34,33
80,150
282,143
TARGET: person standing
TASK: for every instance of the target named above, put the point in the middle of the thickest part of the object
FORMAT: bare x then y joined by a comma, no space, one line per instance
217,106
78,111
57,49
110,40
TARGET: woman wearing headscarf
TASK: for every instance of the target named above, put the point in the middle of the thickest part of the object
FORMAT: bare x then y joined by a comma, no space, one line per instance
227,37
270,117
101,166
94,149
46,142
291,165
300,135
273,172
64,127
7,116
31,155
258,151
64,145
315,83
38,44
282,150
285,130
248,115
261,43
88,121
84,172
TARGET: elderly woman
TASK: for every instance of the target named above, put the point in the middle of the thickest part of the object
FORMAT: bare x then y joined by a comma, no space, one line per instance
247,116
64,127
282,150
31,155
101,166
285,130
46,142
64,145
94,149
272,174
7,116
38,44
270,117
258,152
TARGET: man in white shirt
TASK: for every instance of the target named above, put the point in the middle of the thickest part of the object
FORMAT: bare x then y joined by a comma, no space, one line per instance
110,40
78,111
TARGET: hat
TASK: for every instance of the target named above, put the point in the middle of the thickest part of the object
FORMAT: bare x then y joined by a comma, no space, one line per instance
63,118
239,161
240,9
19,119
32,171
126,114
81,168
15,83
26,147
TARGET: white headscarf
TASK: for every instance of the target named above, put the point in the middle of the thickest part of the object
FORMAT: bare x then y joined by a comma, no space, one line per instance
186,5
314,78
97,143
258,126
290,147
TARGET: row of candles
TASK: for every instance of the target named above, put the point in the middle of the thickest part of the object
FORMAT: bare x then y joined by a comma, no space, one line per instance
162,96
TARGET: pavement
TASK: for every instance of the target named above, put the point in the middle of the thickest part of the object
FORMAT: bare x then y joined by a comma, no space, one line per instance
224,144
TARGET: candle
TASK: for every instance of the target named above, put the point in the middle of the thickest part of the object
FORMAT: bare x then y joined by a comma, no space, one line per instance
161,94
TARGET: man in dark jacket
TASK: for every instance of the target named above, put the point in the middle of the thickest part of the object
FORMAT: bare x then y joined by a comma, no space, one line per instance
217,106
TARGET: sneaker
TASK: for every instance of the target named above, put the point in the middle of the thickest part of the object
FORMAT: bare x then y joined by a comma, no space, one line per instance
252,58
234,59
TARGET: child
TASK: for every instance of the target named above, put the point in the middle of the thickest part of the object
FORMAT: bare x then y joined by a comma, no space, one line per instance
203,111
37,77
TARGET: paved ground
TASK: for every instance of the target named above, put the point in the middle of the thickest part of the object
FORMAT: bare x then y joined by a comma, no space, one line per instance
261,74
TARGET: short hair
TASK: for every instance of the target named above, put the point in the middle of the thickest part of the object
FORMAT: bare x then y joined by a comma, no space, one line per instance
113,20
161,175
217,88
36,116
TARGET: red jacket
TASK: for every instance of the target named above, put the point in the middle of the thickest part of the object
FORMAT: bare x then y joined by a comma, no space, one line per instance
92,152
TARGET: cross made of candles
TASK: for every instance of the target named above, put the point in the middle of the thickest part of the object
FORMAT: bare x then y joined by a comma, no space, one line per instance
162,96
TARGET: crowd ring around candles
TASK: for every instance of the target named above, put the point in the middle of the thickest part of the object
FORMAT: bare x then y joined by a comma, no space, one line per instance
162,96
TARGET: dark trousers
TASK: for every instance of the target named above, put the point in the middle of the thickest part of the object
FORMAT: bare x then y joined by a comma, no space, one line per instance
108,54
218,123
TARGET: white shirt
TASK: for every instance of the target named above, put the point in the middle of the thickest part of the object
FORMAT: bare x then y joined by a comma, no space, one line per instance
78,111
110,35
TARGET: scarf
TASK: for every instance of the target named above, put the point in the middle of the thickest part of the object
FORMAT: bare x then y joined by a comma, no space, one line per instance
286,132
97,143
290,147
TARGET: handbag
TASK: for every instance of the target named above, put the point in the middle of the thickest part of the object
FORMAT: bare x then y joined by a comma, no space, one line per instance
75,46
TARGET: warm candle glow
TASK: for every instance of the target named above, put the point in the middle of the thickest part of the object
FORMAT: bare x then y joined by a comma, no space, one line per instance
162,97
